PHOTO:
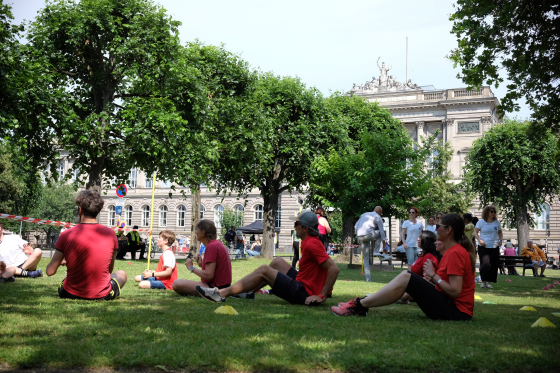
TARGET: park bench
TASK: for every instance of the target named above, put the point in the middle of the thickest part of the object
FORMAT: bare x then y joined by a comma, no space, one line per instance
397,256
515,261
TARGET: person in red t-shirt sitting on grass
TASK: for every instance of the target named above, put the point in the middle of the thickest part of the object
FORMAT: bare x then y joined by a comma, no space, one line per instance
215,267
311,285
89,250
166,271
453,296
427,242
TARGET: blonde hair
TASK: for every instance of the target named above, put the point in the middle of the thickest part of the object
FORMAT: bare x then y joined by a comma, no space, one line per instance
169,236
486,212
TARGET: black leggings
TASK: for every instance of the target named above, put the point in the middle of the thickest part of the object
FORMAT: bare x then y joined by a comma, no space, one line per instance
489,259
434,303
295,246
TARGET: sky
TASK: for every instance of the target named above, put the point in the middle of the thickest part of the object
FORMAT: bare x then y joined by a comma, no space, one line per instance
328,44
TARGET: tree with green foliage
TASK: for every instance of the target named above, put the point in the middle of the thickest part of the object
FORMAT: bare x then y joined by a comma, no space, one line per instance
519,37
439,193
374,164
107,62
228,218
10,185
271,143
513,166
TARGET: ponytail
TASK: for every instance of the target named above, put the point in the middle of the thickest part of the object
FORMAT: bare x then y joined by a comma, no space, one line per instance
455,221
467,244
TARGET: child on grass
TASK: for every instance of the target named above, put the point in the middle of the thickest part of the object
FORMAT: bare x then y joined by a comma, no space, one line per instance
166,271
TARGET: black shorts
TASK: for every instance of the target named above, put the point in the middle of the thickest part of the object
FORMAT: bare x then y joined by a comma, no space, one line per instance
114,293
434,303
287,288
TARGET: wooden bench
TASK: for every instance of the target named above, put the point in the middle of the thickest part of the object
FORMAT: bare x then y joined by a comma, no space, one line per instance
397,256
515,261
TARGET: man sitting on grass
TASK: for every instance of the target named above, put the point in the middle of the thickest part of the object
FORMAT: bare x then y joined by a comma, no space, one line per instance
310,285
166,271
89,249
14,253
7,273
215,268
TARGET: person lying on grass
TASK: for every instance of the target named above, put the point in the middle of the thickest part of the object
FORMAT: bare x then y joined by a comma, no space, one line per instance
16,252
315,279
427,242
166,271
215,268
453,296
7,273
89,250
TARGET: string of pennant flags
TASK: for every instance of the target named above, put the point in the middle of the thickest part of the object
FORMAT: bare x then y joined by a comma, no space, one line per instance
26,219
344,245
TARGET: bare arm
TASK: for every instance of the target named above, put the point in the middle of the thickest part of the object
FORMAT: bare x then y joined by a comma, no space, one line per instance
112,265
206,274
55,262
403,235
452,288
475,233
332,274
165,273
325,223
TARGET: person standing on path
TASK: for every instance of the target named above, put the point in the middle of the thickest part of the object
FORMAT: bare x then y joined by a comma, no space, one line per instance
370,233
410,232
488,233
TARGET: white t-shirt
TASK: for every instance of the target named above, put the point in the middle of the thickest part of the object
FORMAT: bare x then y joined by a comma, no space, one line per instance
168,259
431,228
11,250
489,232
412,232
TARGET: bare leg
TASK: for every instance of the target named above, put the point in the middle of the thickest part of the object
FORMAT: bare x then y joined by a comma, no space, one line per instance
390,293
543,268
250,282
406,297
120,277
138,278
536,269
188,287
31,262
280,265
9,272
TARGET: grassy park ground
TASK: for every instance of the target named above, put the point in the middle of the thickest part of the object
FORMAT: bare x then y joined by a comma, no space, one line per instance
159,330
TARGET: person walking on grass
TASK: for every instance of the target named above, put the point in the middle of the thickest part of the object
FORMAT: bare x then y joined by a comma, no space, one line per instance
488,233
15,252
324,227
452,297
370,235
309,286
166,271
89,250
411,229
215,267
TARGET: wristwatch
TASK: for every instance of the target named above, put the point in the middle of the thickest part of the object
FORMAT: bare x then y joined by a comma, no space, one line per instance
191,268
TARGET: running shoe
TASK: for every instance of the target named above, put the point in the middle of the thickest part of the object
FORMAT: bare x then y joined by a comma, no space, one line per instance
37,273
402,302
212,294
9,279
350,308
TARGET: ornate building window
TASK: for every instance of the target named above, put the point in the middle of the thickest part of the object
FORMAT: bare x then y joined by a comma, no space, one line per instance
202,210
60,169
259,212
133,178
149,181
466,127
128,216
218,213
279,216
163,216
542,218
181,216
432,160
146,216
239,210
111,218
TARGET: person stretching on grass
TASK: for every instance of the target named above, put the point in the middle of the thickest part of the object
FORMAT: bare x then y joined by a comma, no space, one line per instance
215,268
310,285
15,252
453,296
89,250
166,271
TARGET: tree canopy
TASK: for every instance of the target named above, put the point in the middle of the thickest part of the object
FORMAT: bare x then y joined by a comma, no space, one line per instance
513,167
519,37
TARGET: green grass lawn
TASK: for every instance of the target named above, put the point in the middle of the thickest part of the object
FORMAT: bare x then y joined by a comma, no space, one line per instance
159,329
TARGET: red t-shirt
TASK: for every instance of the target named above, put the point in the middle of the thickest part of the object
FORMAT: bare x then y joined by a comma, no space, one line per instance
88,250
168,280
456,261
311,274
418,266
217,253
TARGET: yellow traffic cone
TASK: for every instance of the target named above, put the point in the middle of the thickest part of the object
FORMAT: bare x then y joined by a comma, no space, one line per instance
557,314
543,323
477,297
527,308
226,310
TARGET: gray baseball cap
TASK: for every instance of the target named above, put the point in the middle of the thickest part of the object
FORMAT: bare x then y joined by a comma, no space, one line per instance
308,218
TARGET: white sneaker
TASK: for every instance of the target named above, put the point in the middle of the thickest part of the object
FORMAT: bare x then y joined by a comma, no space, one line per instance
489,286
482,284
212,294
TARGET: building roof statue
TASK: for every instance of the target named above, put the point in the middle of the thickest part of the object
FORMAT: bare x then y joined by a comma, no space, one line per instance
385,83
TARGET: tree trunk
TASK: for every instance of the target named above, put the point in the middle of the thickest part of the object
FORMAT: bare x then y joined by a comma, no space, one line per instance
521,216
269,221
195,217
347,235
96,174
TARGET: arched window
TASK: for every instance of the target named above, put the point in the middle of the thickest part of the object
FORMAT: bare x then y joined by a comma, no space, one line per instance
133,178
279,216
218,213
259,212
146,216
239,210
181,216
163,216
111,221
542,217
128,215
60,169
202,210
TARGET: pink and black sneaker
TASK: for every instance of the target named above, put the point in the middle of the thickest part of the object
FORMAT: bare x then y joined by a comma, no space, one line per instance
350,308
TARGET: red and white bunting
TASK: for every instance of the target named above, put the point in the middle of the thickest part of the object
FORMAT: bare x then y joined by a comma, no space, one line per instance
57,223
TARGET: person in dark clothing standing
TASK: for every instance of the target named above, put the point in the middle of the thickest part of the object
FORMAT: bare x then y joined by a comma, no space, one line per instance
230,238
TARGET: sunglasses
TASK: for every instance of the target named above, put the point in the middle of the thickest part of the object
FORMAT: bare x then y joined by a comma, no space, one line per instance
440,225
412,212
493,211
